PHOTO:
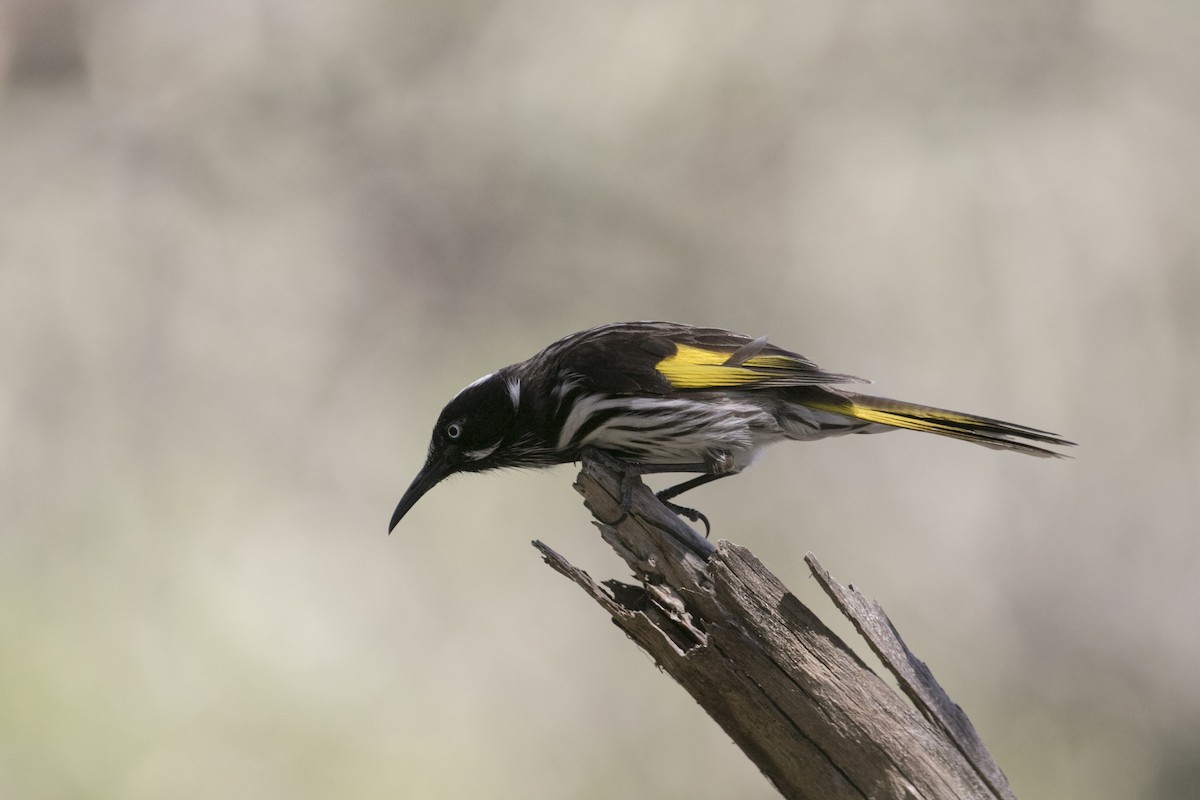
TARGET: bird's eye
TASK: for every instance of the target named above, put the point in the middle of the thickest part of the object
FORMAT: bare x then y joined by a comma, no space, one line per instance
454,430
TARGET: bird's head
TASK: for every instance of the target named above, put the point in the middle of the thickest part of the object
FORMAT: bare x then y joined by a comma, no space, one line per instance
471,435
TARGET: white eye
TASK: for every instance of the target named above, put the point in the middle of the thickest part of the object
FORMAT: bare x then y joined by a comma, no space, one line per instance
454,430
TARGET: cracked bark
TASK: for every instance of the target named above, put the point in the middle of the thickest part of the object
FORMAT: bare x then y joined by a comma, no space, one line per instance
800,704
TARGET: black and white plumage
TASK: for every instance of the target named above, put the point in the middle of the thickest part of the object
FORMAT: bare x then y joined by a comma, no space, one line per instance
668,397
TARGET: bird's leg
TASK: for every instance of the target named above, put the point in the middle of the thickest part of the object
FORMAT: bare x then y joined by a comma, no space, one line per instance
630,472
665,496
718,464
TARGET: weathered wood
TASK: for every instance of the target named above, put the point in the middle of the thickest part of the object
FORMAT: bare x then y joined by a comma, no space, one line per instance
913,676
813,717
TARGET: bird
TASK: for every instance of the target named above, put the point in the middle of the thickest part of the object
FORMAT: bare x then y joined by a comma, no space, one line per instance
667,397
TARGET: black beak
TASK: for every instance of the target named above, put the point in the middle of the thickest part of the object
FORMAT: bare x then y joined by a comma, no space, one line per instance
430,475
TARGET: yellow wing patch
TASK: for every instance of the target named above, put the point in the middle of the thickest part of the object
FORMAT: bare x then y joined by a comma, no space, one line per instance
696,368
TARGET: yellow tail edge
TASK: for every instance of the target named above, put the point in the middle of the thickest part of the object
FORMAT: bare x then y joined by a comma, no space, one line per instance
985,431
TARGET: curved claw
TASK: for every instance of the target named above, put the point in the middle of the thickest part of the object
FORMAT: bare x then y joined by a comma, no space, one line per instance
689,513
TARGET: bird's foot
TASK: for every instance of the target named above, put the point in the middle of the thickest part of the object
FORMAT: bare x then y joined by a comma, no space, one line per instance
689,513
631,473
629,476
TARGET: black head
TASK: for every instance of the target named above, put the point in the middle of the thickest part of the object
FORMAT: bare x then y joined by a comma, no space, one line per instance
470,436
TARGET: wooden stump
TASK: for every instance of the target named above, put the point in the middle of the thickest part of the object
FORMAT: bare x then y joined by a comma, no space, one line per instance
802,706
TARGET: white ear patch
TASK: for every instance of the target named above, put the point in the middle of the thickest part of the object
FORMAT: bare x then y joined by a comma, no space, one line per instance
476,455
513,384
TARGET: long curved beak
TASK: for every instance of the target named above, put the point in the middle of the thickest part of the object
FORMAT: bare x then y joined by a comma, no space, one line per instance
430,475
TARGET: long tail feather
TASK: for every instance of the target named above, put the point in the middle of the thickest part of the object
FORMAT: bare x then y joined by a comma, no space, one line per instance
957,425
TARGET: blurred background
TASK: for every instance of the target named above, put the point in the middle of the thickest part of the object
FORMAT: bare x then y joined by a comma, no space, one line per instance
249,249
